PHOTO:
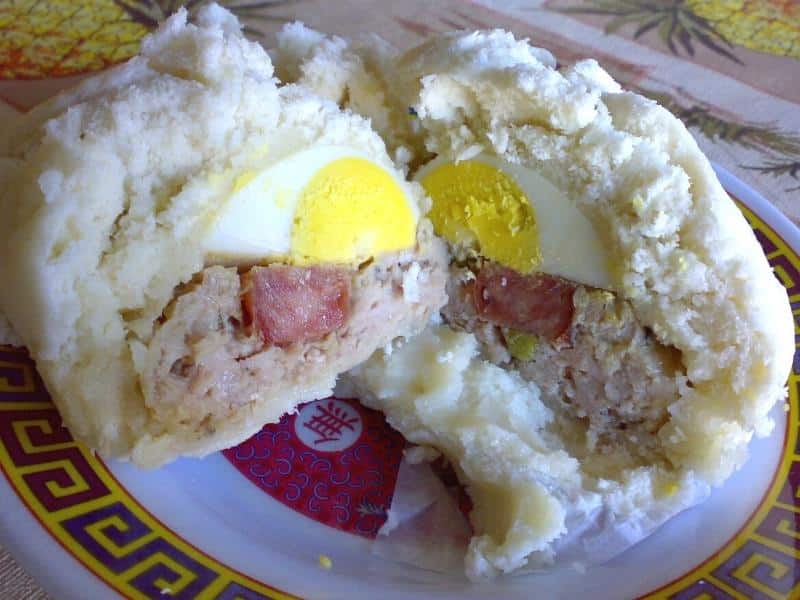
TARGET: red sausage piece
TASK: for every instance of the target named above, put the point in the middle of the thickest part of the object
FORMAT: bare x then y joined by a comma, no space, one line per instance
540,304
295,304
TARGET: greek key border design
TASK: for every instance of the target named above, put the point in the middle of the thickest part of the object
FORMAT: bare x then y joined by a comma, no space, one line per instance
79,502
762,561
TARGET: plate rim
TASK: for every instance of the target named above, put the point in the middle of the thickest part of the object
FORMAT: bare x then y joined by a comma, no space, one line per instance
38,566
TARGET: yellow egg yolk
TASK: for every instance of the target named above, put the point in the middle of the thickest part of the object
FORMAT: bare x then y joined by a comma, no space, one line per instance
350,211
475,202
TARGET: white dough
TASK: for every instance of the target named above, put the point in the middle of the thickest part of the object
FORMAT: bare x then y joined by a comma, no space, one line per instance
681,253
113,186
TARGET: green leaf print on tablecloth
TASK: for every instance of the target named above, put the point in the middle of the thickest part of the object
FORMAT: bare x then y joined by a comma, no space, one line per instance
771,26
780,149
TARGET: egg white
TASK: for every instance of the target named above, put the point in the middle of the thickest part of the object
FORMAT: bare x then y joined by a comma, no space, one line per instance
254,223
570,246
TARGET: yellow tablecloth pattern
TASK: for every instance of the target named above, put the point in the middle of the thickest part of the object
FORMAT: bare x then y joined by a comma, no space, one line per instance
730,69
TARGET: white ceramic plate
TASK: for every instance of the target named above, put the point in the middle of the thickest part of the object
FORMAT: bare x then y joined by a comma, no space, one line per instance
254,521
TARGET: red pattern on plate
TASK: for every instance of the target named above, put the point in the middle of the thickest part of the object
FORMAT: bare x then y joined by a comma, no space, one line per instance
334,461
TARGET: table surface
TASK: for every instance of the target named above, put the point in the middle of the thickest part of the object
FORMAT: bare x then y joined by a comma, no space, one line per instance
729,70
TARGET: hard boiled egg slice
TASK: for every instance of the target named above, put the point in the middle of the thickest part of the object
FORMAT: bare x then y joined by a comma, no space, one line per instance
513,215
324,204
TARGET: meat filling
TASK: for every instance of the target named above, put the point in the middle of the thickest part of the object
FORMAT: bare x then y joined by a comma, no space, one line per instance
277,335
582,346
294,304
540,304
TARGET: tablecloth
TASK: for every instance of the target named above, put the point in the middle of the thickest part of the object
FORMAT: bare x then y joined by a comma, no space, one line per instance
730,69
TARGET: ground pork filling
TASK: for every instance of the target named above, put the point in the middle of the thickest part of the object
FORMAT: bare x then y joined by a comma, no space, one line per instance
605,375
232,336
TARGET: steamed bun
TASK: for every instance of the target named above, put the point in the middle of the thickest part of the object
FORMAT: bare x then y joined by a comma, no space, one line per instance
682,257
113,184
